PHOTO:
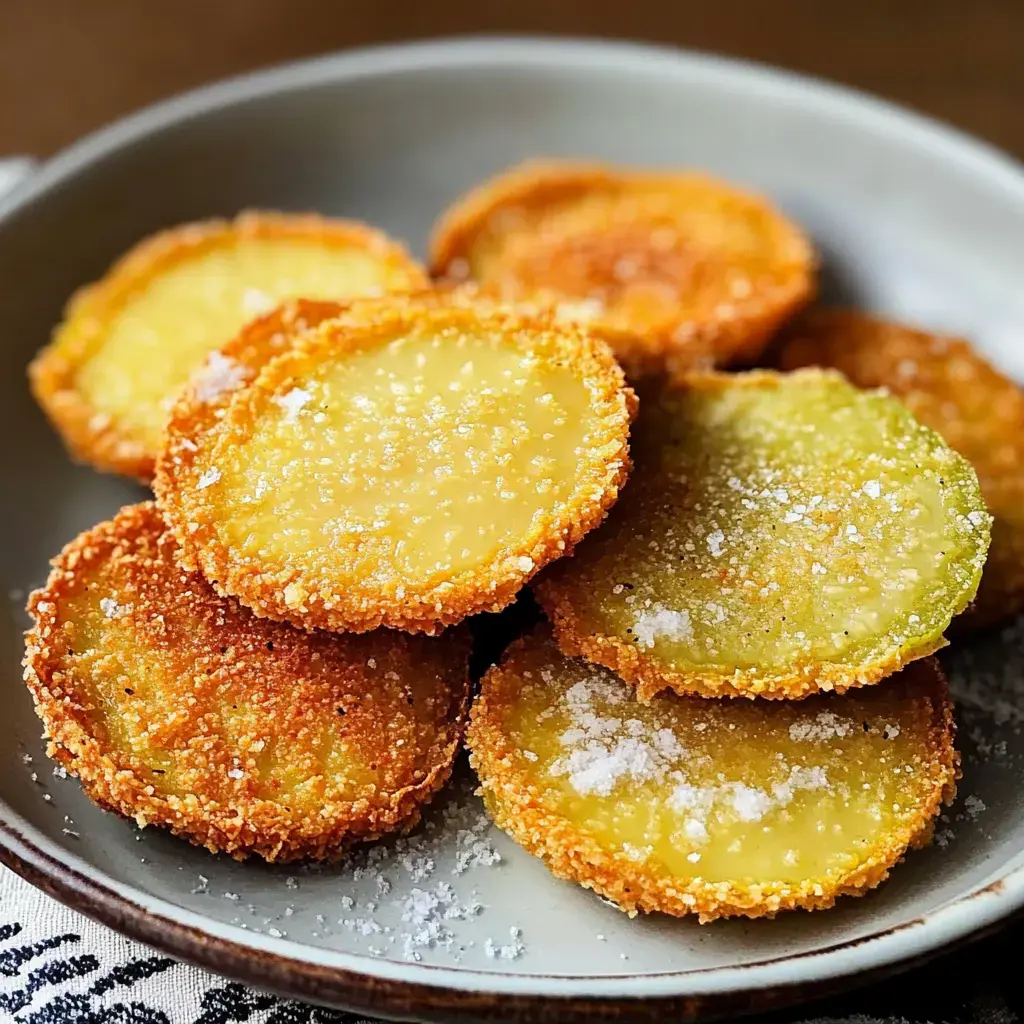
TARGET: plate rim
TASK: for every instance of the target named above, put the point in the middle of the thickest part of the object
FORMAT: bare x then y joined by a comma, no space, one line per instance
382,986
57,874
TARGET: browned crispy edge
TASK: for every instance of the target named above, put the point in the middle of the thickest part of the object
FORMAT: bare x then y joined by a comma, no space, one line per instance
114,785
517,805
484,588
720,340
554,593
92,436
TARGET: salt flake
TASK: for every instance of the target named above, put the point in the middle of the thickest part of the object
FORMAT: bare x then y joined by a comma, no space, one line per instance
293,402
208,478
220,374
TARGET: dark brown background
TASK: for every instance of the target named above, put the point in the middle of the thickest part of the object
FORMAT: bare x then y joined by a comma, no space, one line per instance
67,66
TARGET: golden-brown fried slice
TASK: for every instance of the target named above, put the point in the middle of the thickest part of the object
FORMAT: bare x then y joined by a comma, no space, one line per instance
715,808
179,708
675,270
406,464
783,534
952,389
129,342
184,456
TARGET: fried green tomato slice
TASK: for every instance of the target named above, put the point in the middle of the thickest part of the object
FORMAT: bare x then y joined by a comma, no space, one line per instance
949,387
406,464
784,534
178,708
129,342
676,270
715,808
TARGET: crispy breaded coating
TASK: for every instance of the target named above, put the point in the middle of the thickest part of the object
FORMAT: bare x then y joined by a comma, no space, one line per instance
951,388
407,463
179,708
783,534
675,270
129,342
715,808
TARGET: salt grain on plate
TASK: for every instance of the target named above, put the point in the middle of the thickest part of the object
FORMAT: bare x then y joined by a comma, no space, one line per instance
512,951
430,914
973,806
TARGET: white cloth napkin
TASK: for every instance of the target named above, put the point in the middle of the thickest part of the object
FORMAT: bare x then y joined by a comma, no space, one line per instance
57,967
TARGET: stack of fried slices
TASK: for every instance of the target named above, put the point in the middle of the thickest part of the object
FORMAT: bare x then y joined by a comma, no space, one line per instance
731,706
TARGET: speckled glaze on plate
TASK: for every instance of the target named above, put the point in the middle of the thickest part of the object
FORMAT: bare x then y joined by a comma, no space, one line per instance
912,219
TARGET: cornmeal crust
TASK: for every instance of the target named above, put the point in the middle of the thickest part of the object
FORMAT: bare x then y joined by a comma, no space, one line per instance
949,387
96,435
676,271
611,793
358,581
178,708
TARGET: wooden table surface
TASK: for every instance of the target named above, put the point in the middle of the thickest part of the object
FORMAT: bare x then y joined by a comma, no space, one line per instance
67,66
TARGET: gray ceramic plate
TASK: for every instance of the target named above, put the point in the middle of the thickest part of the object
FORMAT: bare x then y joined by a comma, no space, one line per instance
912,219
